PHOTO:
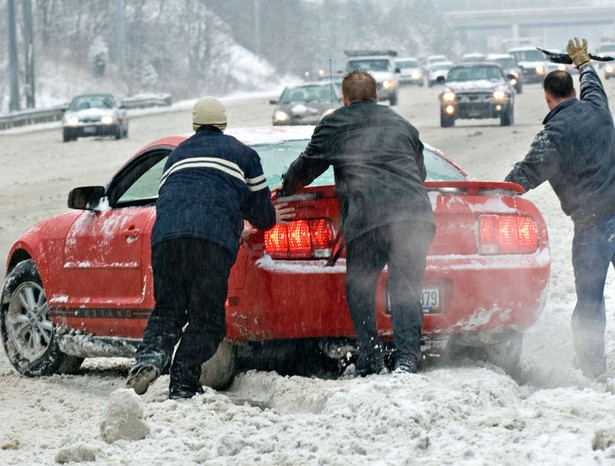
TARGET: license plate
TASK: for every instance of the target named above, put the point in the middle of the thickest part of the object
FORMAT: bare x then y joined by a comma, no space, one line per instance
89,129
430,300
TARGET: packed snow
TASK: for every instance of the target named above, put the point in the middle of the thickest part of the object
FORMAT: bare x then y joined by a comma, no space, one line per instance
465,414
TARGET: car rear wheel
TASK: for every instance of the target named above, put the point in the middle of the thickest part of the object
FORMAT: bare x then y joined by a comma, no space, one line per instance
218,372
28,335
505,354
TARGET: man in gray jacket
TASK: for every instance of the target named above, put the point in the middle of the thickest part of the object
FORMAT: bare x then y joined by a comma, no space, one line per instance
575,152
386,214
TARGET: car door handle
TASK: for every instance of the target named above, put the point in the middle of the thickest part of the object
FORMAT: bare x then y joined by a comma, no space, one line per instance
132,233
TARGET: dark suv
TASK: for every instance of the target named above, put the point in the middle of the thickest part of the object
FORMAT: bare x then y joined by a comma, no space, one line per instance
477,90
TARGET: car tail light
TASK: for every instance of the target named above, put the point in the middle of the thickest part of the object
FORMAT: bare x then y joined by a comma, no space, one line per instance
507,234
301,239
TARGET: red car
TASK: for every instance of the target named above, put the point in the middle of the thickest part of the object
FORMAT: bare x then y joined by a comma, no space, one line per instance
80,284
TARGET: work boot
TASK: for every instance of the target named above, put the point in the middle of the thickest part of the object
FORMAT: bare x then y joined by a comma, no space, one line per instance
366,364
178,392
141,376
405,365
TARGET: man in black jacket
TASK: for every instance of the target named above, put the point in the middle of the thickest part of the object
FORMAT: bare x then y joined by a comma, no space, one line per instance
575,152
210,184
386,214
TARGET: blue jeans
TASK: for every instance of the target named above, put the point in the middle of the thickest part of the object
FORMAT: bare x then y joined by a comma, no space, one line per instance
593,248
402,246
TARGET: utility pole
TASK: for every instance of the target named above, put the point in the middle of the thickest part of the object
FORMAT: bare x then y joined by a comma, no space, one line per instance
120,35
13,63
257,29
29,53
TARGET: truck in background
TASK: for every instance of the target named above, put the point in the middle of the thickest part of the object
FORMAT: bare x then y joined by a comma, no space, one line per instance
381,65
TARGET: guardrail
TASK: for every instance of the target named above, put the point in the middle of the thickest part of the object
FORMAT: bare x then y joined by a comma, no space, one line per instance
32,117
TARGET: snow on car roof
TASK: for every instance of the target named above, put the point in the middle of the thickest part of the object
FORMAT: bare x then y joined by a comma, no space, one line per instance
270,134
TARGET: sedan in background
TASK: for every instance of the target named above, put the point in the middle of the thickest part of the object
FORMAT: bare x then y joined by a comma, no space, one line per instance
436,72
410,71
80,285
307,103
511,69
94,115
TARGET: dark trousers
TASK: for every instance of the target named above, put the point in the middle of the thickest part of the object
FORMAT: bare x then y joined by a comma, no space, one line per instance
593,249
190,288
402,247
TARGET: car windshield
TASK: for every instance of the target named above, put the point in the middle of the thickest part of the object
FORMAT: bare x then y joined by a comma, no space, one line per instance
84,102
474,73
440,66
407,64
368,65
506,62
276,159
527,55
317,93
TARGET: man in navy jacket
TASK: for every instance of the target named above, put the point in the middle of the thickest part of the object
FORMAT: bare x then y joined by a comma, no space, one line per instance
575,152
210,184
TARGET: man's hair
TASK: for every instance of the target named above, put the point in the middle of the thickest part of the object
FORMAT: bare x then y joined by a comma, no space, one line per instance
359,85
559,84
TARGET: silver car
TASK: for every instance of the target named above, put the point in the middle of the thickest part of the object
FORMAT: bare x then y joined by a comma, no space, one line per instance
94,115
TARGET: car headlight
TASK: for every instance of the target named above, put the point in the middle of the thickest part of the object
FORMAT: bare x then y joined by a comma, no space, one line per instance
499,95
417,75
107,120
72,121
280,116
387,84
609,68
540,70
448,96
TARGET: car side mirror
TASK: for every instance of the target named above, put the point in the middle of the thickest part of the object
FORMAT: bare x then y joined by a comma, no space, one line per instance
440,79
273,101
510,77
86,197
398,70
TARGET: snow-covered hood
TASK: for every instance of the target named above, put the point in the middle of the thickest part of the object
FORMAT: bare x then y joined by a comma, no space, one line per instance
468,86
531,64
93,113
380,76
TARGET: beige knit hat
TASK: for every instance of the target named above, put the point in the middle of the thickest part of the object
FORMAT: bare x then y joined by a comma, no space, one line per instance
209,111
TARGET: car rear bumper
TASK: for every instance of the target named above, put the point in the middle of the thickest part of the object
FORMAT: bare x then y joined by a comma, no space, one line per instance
91,130
305,299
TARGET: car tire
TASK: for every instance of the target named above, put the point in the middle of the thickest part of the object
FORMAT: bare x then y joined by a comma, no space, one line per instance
393,100
446,121
519,89
508,117
118,133
67,136
505,354
219,371
28,335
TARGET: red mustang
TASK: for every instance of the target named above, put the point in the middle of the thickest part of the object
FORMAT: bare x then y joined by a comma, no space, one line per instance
80,284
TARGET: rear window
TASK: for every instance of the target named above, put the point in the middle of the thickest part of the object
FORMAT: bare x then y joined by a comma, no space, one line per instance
276,159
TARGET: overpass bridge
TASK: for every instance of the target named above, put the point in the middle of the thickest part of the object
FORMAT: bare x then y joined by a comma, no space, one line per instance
545,26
